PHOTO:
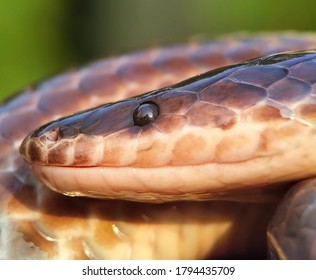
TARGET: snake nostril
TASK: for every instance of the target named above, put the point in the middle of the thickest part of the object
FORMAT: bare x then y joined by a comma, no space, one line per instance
145,113
52,135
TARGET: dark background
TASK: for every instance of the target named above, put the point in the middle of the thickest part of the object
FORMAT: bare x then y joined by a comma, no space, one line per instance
41,38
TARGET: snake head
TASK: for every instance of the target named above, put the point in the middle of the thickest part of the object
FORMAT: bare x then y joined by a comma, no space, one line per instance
212,128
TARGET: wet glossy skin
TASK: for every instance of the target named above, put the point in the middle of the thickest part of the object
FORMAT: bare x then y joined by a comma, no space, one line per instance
38,223
206,132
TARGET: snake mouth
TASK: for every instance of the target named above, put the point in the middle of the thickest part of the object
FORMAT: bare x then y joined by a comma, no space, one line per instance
155,184
171,183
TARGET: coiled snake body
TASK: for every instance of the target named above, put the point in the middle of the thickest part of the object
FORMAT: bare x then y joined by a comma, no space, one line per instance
236,138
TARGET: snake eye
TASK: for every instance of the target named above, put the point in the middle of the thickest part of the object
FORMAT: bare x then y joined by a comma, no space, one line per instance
145,113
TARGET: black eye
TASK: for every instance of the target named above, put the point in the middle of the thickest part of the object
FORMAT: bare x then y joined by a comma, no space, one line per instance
145,114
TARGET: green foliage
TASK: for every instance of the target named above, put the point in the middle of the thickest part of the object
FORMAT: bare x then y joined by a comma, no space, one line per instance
40,38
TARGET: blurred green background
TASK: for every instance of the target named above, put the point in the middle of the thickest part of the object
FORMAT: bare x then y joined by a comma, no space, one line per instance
41,38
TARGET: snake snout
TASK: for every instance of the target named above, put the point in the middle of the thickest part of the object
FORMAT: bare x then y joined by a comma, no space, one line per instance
52,136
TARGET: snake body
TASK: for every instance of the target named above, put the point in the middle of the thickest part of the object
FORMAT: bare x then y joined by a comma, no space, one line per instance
39,223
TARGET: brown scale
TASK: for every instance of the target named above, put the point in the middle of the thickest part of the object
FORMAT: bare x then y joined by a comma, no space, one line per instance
262,113
306,111
49,104
53,154
260,75
289,91
167,123
205,114
305,71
